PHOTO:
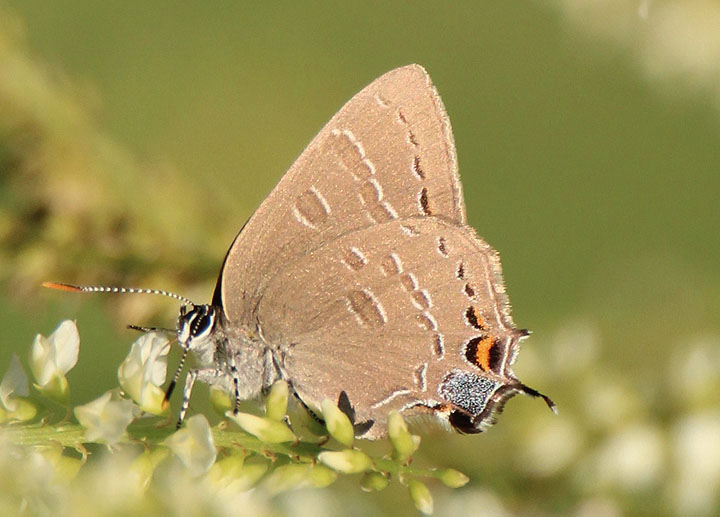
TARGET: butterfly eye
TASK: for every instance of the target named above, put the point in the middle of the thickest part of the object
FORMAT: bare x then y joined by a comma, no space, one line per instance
203,323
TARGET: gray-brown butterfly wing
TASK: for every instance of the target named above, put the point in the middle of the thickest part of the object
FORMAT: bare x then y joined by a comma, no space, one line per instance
409,314
387,154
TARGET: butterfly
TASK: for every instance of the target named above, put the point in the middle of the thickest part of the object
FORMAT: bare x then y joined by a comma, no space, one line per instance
359,280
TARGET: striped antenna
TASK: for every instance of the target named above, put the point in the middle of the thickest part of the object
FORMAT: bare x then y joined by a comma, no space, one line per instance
120,290
140,328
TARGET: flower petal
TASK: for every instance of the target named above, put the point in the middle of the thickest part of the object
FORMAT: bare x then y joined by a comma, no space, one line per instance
105,419
14,382
66,343
41,364
277,401
54,356
337,423
194,445
144,370
421,496
265,429
349,461
405,444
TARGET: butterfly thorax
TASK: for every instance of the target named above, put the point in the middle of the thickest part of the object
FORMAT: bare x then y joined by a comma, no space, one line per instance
228,356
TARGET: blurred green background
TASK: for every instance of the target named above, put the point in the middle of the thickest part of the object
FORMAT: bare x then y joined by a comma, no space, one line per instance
136,138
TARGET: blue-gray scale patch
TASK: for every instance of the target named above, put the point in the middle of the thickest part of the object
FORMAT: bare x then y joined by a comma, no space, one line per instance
467,390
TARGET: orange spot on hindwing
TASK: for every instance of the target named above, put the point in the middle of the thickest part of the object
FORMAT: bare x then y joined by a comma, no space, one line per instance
484,352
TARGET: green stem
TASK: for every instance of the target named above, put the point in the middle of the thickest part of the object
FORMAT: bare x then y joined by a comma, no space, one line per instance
70,435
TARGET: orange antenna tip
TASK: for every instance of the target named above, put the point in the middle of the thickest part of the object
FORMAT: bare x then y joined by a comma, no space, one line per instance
62,287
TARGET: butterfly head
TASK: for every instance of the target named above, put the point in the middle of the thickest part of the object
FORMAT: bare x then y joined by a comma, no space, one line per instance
196,328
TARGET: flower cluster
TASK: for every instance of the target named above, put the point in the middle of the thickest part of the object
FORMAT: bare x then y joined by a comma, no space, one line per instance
243,451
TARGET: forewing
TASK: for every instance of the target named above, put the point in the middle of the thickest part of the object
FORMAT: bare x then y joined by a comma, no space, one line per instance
387,154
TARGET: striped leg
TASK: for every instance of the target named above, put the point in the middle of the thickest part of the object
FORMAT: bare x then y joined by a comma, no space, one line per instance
236,383
209,376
